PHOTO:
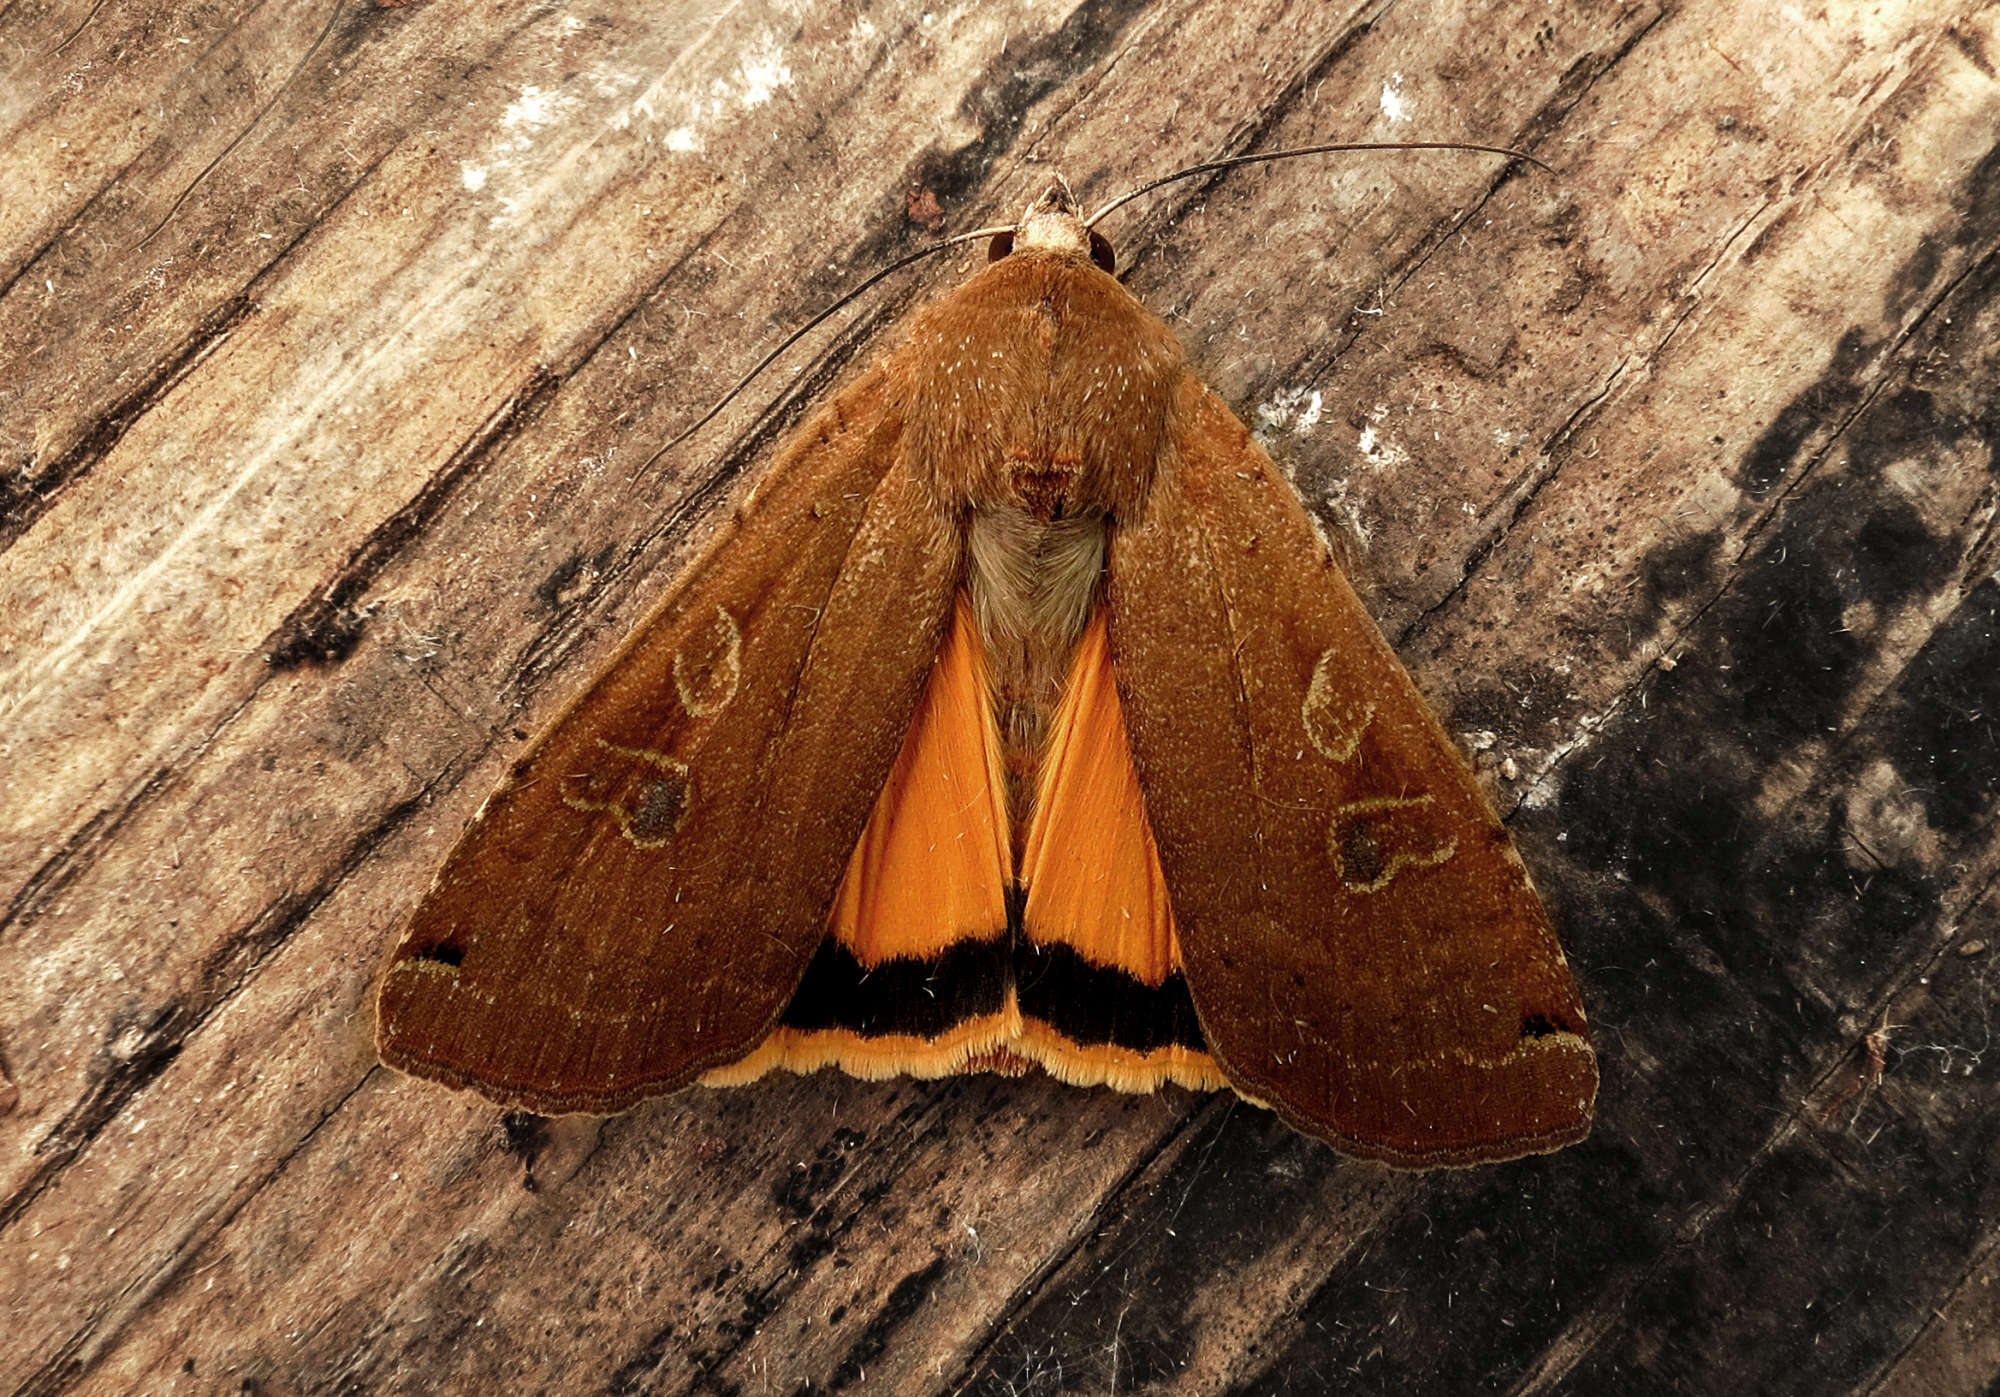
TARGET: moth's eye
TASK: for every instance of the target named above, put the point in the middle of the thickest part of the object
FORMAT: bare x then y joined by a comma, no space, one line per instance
1101,253
1002,244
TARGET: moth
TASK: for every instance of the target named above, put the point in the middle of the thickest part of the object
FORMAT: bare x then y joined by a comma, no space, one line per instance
1018,720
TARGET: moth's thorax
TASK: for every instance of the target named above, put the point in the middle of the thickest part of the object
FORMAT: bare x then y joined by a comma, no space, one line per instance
1040,384
1036,403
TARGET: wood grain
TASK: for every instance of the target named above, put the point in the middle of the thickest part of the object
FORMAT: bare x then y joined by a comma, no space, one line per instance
336,345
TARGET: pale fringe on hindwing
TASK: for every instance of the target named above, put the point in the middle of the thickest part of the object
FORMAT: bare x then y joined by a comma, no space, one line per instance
1007,1032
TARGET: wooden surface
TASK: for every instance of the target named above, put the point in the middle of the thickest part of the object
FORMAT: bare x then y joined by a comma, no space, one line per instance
336,345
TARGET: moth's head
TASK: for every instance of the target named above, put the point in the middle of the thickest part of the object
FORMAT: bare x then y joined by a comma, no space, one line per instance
1054,223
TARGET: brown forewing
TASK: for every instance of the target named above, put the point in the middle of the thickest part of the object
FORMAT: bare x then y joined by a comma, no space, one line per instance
1363,946
638,901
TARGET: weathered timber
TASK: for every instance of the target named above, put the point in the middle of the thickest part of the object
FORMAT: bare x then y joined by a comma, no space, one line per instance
337,344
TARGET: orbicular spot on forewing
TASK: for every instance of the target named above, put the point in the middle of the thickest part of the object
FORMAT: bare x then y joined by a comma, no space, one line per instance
1334,724
709,669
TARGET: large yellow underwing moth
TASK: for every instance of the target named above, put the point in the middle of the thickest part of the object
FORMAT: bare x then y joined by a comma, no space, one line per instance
1018,719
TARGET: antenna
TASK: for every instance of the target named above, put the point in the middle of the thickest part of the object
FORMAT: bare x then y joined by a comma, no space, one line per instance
1264,157
1208,167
